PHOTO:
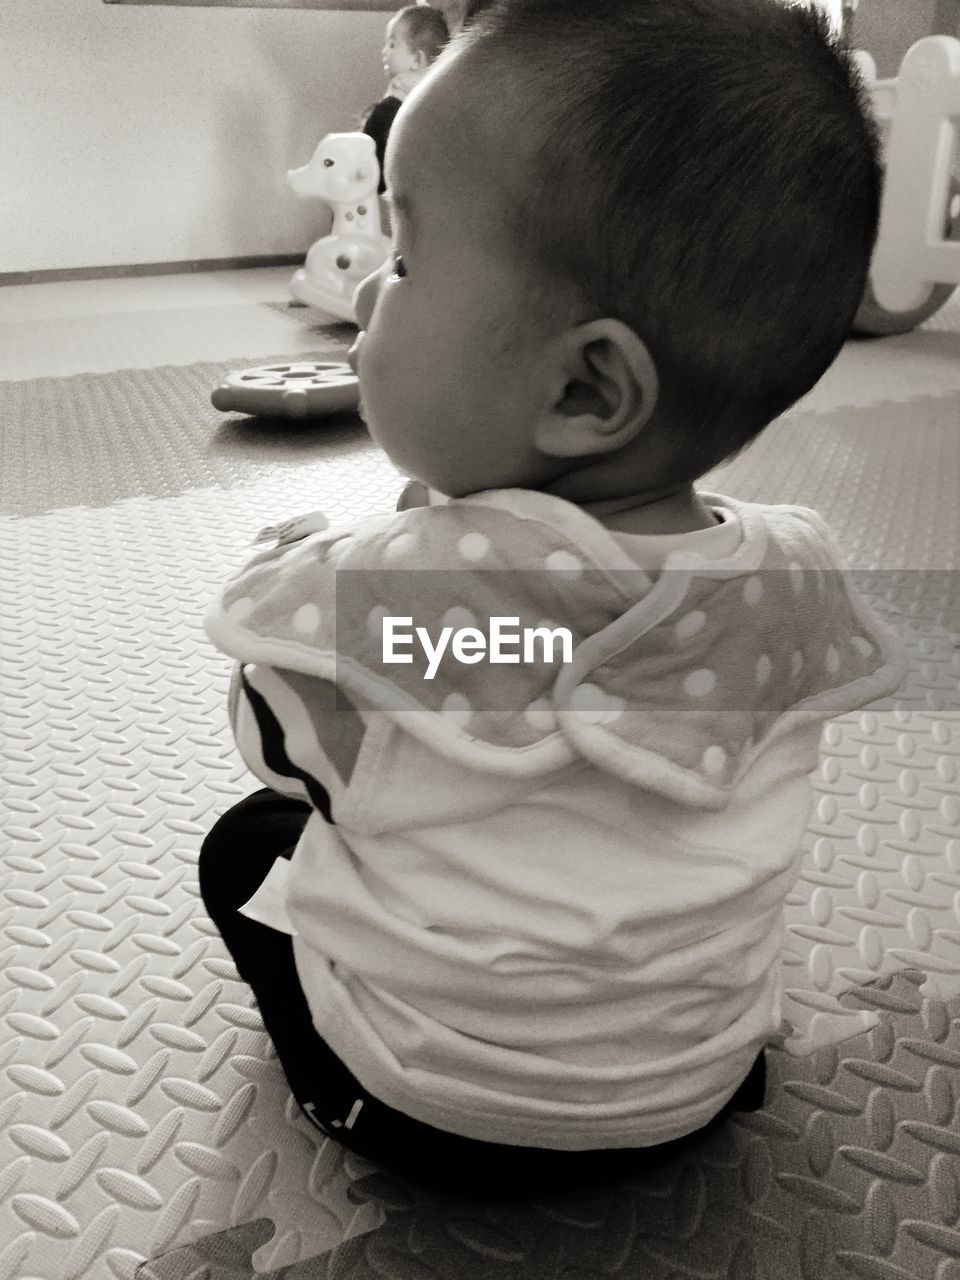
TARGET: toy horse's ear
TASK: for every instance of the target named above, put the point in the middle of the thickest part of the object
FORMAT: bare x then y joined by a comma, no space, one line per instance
605,391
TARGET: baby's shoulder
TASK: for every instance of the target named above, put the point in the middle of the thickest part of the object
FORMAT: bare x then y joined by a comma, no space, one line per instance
489,532
783,535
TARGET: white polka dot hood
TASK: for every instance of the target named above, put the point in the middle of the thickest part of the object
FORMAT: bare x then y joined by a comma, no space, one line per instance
678,679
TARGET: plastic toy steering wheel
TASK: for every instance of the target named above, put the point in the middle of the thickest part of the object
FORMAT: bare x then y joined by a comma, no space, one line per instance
305,389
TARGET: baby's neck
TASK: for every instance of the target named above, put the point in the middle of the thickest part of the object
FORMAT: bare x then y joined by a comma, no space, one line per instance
678,510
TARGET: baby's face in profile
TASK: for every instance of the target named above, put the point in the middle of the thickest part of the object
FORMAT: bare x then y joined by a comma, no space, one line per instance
397,53
450,373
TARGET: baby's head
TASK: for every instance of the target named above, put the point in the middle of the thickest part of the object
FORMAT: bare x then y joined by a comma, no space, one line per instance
630,233
414,39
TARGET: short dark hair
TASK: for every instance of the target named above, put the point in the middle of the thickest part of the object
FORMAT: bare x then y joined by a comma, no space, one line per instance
425,29
706,171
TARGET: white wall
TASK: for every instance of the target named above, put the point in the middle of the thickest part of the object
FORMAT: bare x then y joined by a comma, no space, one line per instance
154,134
887,29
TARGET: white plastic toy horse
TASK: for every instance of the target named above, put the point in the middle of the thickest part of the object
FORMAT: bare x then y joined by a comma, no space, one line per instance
916,262
343,172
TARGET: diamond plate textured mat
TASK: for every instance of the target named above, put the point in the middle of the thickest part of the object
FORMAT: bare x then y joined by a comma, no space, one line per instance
145,1128
850,1170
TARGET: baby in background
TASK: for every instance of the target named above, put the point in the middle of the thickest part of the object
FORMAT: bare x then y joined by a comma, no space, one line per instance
516,921
413,41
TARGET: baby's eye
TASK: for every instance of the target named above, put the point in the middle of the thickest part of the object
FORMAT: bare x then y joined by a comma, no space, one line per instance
398,269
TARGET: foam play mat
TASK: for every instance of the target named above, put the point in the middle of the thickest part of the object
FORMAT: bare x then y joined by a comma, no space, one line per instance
145,1128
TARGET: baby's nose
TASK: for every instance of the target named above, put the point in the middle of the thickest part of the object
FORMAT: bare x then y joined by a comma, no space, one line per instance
353,355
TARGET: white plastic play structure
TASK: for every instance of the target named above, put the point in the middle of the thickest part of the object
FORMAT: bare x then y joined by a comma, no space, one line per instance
343,172
915,268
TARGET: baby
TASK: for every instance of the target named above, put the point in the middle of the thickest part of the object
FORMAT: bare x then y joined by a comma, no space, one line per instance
414,38
512,911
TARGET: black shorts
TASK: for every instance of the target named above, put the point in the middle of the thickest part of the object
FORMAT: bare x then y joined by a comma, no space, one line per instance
235,858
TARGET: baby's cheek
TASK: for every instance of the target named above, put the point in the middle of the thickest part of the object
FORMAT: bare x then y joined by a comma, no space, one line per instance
385,397
371,372
391,367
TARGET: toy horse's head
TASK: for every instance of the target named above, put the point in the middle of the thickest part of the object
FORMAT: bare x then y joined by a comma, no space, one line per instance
343,170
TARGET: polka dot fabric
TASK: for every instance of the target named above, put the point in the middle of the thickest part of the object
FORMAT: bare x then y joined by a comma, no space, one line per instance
745,657
676,684
321,602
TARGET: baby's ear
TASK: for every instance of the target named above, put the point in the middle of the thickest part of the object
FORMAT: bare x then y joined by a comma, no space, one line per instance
606,389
